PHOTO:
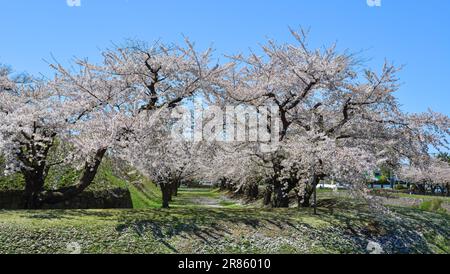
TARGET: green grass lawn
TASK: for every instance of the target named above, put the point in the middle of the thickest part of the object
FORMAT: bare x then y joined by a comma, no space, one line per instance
207,221
423,197
345,229
202,198
147,195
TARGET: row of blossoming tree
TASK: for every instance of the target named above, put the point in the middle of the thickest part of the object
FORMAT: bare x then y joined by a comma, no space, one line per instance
336,121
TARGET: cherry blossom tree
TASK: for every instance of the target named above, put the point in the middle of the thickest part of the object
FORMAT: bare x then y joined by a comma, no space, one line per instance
161,78
428,176
165,160
92,109
335,122
38,115
6,83
230,166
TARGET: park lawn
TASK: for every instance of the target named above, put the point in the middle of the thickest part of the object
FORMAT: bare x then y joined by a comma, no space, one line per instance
345,229
423,197
148,195
202,197
145,195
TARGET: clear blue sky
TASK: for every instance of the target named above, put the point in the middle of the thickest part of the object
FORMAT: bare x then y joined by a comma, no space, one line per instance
415,33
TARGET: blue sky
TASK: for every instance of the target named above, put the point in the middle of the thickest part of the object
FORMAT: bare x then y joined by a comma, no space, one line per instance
414,33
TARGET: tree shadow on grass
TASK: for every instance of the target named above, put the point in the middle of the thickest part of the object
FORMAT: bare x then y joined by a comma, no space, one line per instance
66,214
399,231
354,222
204,224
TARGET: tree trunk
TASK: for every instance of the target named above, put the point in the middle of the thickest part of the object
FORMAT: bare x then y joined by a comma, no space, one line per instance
251,191
442,189
281,198
165,190
299,197
421,188
35,167
31,197
239,190
34,185
175,188
230,186
68,193
223,184
306,199
309,191
268,196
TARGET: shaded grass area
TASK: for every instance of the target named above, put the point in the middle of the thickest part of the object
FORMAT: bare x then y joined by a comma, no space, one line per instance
346,229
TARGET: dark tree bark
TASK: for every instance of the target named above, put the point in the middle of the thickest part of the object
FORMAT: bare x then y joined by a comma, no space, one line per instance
34,184
280,197
166,194
268,196
230,186
251,191
421,188
35,195
442,189
306,199
175,187
433,189
223,184
239,190
276,195
310,190
35,169
68,193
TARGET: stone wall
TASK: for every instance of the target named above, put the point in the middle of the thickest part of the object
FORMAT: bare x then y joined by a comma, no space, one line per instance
113,198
